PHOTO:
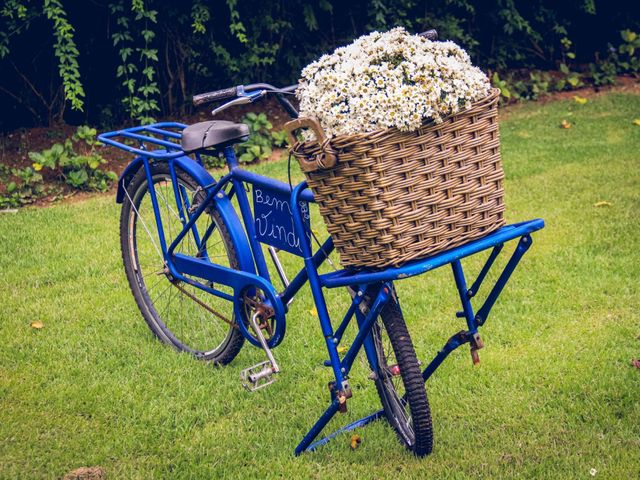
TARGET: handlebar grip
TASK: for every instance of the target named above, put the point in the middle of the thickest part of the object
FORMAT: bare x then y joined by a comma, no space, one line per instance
430,35
208,97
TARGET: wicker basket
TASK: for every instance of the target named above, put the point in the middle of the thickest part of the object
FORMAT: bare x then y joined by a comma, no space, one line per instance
388,197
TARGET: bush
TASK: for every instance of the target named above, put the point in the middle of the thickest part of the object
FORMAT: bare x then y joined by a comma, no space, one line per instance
133,59
21,186
531,84
79,170
74,162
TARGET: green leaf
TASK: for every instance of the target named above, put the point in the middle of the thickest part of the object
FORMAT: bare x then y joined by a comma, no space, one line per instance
77,178
147,35
57,149
326,6
309,17
628,35
255,150
573,81
36,157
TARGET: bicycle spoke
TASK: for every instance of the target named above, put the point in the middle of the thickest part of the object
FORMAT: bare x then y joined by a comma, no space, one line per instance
157,272
192,318
163,291
394,390
145,226
159,281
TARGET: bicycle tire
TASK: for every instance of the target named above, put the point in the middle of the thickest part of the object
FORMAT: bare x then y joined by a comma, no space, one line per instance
407,412
137,197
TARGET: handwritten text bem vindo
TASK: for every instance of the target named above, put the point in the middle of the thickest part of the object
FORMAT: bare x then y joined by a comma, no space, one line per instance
274,219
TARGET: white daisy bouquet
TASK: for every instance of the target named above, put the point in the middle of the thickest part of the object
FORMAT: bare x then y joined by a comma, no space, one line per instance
391,79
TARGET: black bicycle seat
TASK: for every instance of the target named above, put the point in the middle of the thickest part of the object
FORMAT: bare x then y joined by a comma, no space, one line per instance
214,133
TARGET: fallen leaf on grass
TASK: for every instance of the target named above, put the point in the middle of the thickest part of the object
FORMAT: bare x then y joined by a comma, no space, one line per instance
37,325
343,349
86,473
506,457
636,363
356,440
580,100
565,124
602,203
637,122
313,312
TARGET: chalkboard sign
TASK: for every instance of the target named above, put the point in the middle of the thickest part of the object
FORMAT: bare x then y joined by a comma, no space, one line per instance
274,220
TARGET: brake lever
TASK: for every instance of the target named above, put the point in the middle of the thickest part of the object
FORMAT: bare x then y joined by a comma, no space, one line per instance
242,99
235,101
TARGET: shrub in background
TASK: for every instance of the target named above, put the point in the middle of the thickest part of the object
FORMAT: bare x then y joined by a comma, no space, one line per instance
129,60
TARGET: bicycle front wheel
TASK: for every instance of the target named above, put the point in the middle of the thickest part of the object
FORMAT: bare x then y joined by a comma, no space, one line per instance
399,381
179,314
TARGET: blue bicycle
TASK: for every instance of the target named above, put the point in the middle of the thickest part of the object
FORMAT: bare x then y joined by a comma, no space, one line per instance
192,253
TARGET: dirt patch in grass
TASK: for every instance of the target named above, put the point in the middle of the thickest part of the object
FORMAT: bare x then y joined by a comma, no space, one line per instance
86,473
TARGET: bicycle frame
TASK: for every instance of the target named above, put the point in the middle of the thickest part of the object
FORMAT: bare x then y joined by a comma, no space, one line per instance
254,273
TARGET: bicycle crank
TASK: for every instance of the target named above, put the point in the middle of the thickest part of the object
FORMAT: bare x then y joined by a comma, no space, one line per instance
262,374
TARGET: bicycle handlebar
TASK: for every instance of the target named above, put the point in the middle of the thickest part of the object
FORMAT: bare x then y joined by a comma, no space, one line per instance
430,35
209,97
245,94
239,90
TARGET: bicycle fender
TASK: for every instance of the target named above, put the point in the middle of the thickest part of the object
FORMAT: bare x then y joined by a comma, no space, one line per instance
126,176
222,204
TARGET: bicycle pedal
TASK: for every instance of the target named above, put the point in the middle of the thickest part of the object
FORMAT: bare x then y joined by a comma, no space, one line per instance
258,376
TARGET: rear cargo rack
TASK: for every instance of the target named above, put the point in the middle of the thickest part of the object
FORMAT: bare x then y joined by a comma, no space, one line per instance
147,136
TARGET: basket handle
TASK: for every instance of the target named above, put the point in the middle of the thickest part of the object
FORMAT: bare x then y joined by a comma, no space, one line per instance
322,161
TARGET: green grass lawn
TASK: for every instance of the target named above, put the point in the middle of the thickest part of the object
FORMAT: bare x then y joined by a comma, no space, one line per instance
555,395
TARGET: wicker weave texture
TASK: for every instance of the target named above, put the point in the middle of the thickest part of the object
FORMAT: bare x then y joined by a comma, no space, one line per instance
396,196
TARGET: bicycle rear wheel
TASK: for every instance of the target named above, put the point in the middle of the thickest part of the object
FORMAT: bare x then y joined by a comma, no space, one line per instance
181,315
399,381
